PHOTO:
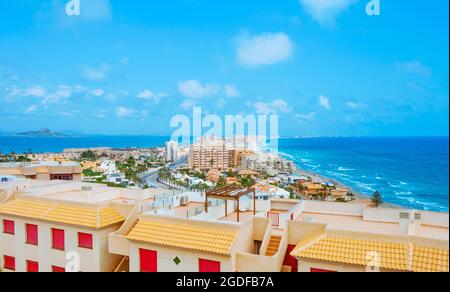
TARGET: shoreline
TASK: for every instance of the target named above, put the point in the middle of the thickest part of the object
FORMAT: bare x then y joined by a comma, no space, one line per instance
359,197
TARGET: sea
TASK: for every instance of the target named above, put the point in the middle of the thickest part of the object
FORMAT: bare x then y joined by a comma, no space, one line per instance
412,172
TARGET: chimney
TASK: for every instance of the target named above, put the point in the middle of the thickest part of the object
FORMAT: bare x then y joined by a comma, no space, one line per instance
410,221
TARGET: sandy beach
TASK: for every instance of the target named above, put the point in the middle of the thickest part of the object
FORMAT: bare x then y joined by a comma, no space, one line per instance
359,197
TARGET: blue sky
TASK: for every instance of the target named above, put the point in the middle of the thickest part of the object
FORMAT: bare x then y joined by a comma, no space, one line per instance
127,67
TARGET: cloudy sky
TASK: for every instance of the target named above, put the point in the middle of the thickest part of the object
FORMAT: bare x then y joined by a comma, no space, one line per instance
127,67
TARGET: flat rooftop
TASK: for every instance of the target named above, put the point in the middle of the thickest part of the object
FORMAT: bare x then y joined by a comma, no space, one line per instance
358,224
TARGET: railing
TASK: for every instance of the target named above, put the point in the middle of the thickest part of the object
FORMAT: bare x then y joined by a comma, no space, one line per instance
121,267
3,196
266,240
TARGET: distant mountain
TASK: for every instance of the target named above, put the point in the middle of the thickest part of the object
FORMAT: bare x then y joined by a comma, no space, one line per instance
41,133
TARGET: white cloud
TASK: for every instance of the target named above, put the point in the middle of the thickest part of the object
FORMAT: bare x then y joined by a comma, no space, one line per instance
195,89
96,74
264,49
306,117
31,109
272,108
355,105
123,112
188,104
324,102
151,96
63,92
97,92
413,67
35,91
325,12
231,91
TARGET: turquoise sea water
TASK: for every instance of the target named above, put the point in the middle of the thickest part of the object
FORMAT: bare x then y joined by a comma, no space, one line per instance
411,172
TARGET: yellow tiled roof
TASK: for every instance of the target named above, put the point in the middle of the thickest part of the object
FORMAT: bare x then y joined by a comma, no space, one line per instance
393,256
62,213
427,259
192,236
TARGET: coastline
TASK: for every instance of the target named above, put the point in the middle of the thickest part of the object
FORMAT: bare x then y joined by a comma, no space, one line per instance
359,197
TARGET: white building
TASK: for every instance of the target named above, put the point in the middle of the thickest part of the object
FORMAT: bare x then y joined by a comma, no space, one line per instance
171,151
108,167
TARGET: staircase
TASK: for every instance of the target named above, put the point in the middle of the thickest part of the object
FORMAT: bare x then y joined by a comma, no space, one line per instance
274,244
123,266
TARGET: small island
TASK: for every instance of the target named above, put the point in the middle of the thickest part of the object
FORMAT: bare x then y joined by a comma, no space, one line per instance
41,133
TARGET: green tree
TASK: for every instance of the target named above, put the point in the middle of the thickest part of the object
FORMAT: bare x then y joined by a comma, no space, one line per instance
377,199
89,155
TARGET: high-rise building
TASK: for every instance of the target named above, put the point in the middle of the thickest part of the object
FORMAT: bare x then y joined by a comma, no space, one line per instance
210,153
171,151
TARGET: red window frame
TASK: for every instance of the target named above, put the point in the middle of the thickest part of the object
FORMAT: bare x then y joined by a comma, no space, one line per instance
9,263
85,240
148,261
32,267
314,270
32,234
208,266
58,241
9,227
56,269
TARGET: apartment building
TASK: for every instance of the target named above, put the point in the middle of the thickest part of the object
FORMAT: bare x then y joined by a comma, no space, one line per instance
210,153
44,226
267,163
51,228
237,155
45,170
168,244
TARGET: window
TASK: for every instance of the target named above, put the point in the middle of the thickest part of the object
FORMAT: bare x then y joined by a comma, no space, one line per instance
32,267
32,234
58,239
9,263
85,240
207,266
56,269
8,227
149,261
61,176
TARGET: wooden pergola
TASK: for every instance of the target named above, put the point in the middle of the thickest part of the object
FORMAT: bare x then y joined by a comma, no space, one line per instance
230,193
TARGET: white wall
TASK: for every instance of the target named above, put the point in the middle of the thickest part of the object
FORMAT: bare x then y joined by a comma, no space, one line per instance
95,260
165,259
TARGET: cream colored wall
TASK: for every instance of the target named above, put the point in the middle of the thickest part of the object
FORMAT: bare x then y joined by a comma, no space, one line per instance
189,259
43,176
283,204
298,231
259,227
95,260
305,266
333,208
